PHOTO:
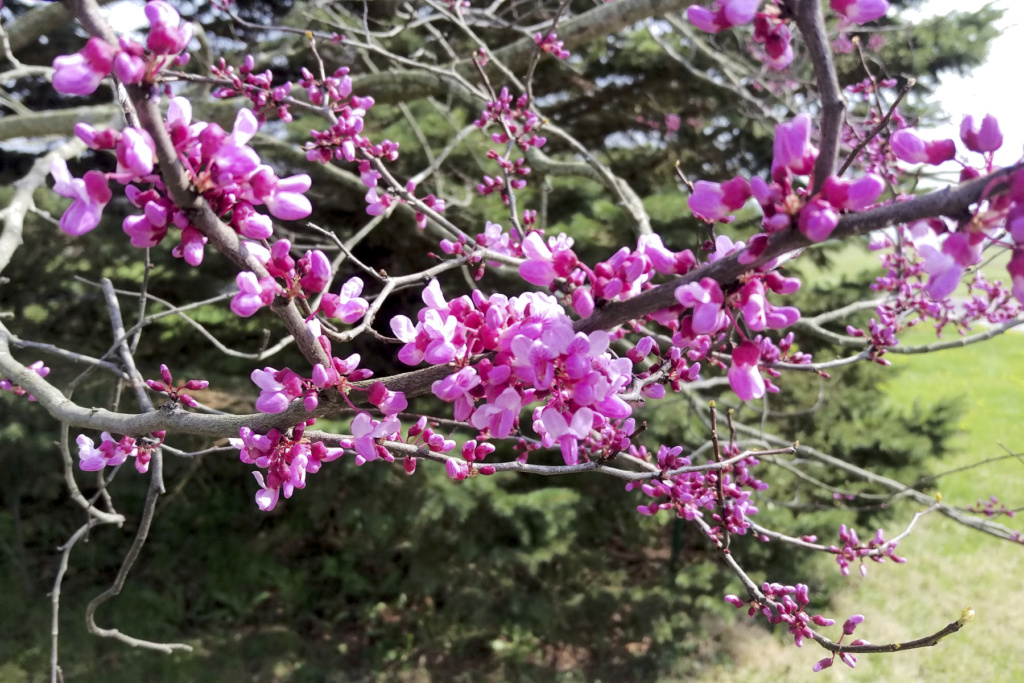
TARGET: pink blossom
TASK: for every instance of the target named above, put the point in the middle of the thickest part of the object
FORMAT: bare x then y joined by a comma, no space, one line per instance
97,139
775,36
714,202
500,415
822,664
456,469
92,459
136,153
779,48
744,377
318,271
729,13
253,294
111,452
390,402
191,246
90,195
81,73
129,65
266,497
986,138
546,261
860,11
277,389
287,200
549,43
568,433
706,299
167,34
944,262
583,301
663,260
456,388
912,149
792,147
347,305
250,223
853,195
229,153
817,220
367,430
850,625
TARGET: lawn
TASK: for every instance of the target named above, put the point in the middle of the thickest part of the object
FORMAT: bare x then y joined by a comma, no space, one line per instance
949,567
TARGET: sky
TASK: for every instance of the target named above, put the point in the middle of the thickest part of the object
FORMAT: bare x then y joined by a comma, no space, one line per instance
993,88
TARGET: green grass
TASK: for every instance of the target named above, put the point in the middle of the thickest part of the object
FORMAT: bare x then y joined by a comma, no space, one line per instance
949,566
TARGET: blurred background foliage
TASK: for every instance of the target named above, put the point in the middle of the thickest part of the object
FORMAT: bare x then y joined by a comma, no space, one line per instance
368,573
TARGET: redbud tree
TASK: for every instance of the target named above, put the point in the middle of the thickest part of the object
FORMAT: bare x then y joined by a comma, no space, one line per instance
521,355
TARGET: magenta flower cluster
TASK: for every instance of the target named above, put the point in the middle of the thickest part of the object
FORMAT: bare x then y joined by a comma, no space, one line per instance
783,204
82,72
551,44
518,125
259,88
221,165
784,605
286,459
853,550
113,452
301,279
989,509
688,494
536,356
849,626
770,29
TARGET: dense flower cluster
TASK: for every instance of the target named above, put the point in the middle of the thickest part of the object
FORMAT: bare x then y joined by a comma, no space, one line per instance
783,204
344,141
534,355
286,458
222,167
786,605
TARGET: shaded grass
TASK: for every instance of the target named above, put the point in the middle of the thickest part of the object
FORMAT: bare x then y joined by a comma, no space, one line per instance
950,567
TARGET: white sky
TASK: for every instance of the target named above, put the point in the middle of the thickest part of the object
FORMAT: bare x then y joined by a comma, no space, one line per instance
993,88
